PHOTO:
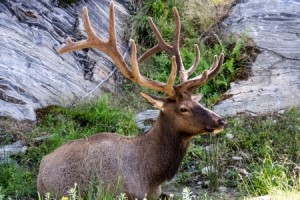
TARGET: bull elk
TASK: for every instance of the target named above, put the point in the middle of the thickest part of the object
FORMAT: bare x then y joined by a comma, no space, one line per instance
136,166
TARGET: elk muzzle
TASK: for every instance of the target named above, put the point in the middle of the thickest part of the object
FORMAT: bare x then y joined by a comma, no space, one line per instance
216,125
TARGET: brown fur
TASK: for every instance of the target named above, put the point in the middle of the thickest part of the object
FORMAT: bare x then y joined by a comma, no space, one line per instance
141,164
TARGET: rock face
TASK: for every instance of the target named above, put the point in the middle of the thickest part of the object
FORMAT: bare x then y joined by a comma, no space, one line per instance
275,27
32,74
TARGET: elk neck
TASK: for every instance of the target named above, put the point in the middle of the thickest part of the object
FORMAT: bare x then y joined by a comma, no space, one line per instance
163,149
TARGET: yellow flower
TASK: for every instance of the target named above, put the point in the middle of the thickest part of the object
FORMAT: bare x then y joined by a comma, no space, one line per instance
64,198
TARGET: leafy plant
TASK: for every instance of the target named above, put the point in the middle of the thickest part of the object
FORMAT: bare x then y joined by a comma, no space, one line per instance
268,177
1,194
13,178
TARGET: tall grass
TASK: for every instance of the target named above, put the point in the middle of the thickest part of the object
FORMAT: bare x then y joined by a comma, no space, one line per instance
258,155
271,177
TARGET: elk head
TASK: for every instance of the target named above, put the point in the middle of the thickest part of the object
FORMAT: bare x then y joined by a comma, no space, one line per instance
180,104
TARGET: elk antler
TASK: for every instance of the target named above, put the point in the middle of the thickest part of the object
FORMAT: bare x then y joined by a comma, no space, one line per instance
110,48
173,50
203,78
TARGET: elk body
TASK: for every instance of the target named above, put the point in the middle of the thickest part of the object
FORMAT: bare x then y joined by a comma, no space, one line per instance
138,165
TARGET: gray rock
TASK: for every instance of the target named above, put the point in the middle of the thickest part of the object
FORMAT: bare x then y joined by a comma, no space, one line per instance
143,117
229,136
208,170
275,84
237,158
11,149
32,74
242,171
222,189
266,197
212,148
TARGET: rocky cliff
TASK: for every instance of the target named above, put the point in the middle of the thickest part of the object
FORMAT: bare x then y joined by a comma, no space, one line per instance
275,85
32,74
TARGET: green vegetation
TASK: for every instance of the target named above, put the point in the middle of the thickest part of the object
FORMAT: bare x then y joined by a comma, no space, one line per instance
17,181
258,155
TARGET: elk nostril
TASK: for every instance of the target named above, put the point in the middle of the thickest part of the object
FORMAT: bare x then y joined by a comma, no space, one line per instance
222,122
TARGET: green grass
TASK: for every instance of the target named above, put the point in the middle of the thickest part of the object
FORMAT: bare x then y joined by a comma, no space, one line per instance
61,125
17,181
269,148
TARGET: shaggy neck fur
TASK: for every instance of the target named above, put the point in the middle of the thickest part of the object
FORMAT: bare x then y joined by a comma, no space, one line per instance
164,150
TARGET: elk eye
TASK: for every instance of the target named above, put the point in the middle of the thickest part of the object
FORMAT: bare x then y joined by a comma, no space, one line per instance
183,110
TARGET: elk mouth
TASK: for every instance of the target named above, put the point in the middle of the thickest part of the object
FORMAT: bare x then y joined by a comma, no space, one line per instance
214,130
221,125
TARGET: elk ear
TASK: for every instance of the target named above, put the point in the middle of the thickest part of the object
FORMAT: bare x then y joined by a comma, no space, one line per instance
197,97
157,102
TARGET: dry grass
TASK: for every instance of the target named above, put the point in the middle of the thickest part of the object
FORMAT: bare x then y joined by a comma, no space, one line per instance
283,196
207,13
12,130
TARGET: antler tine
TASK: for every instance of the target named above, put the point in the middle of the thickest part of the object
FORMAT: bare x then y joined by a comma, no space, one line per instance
172,77
177,30
112,32
203,78
172,50
193,83
154,50
184,74
216,66
162,44
143,81
176,50
87,24
89,42
196,61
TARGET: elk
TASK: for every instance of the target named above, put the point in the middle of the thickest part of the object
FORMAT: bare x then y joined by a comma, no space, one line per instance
136,166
